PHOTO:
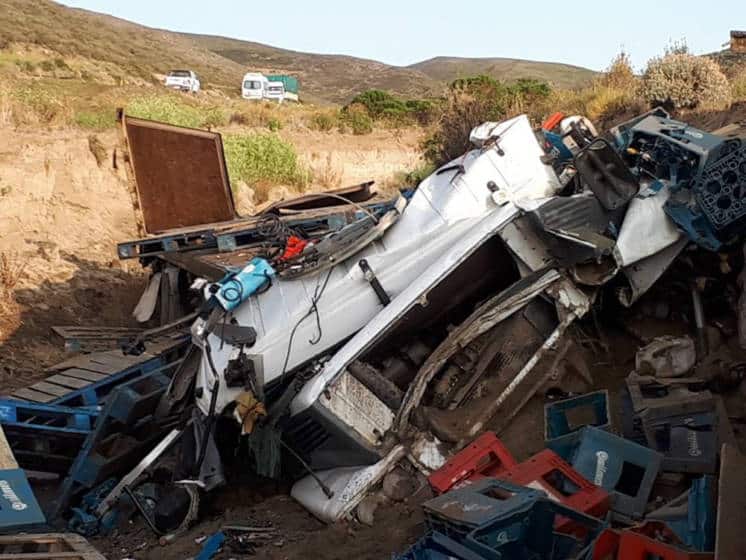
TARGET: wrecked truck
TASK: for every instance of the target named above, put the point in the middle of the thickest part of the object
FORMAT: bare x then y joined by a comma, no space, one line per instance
364,334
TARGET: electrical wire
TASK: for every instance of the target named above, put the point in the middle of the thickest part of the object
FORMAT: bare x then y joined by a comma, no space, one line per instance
318,292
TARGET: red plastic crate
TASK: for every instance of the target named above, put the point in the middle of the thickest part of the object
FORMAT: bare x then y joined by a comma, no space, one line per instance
547,471
485,457
636,546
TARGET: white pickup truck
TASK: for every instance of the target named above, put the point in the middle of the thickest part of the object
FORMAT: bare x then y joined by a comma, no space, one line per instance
183,80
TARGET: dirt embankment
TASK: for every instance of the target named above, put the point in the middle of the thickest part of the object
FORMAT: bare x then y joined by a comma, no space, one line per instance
63,209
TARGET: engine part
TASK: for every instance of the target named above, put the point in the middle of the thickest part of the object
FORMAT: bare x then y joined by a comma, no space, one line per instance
721,192
604,172
375,382
240,372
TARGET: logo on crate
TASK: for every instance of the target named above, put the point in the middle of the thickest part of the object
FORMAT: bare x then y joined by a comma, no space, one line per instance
691,436
9,494
601,459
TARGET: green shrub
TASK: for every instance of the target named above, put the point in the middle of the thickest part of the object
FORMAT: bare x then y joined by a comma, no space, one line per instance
26,66
423,111
417,175
170,109
738,86
47,65
379,103
39,105
214,116
382,105
95,120
685,81
357,118
263,159
274,124
165,109
323,121
462,112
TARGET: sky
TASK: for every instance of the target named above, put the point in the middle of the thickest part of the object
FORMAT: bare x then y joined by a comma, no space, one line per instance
401,32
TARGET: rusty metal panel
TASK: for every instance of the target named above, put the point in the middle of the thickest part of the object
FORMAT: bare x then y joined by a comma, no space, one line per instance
356,193
180,175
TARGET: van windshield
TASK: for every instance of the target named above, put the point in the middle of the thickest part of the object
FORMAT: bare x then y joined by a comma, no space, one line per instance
252,84
180,73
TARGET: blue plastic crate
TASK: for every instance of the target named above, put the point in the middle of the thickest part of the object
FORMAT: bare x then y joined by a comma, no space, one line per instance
622,467
557,421
692,515
530,534
459,511
437,546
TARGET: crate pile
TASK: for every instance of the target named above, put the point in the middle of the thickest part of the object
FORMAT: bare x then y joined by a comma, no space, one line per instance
590,494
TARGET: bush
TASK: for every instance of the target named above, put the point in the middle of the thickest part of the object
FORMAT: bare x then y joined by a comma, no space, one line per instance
416,176
619,74
685,81
262,160
423,111
99,120
738,86
171,110
472,101
214,116
323,121
379,103
274,124
503,98
357,118
35,105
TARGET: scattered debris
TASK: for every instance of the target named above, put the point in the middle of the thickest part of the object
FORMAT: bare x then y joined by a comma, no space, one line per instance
358,345
47,546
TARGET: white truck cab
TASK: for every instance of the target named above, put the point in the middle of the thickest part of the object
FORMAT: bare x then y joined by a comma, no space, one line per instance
254,86
183,80
275,91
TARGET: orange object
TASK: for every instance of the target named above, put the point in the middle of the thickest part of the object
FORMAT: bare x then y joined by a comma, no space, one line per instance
553,120
486,456
293,247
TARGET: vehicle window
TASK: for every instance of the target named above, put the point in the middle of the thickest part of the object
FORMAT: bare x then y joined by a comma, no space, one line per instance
180,74
252,84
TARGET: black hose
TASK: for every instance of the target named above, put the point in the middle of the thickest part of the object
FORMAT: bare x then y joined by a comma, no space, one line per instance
142,511
210,415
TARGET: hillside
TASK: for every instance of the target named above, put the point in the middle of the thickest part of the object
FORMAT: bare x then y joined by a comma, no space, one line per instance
125,52
115,51
447,69
332,77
